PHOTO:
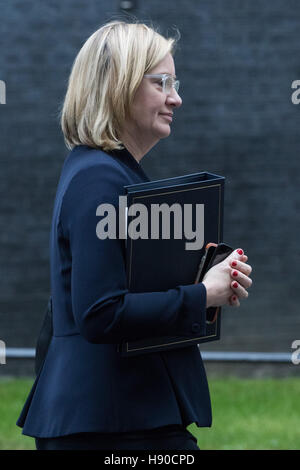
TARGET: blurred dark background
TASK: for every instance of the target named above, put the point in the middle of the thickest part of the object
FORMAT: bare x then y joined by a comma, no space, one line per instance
236,61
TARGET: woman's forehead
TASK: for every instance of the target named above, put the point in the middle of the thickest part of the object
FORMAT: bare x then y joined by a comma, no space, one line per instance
166,65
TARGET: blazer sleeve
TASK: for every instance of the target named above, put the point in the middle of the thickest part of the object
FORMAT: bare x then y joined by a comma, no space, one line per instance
103,308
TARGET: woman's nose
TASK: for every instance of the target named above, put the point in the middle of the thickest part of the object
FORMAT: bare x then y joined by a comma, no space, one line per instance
174,99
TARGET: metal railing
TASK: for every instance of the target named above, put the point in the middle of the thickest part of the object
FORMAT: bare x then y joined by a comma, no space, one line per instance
218,356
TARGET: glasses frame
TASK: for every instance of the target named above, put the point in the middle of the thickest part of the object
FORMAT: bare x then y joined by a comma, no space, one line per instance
164,76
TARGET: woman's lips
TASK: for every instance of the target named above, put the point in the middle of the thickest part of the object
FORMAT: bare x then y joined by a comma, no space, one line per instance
167,116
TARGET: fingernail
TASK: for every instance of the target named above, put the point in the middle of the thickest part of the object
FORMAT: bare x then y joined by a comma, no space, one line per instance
235,273
240,252
234,298
233,264
235,285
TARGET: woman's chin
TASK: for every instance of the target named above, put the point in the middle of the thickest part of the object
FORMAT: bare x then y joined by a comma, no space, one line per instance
164,131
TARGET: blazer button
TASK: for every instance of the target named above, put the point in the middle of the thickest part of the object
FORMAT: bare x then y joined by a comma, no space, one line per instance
195,327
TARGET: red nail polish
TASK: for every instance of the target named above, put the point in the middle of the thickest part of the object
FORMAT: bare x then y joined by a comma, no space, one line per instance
235,273
235,285
233,298
240,252
233,264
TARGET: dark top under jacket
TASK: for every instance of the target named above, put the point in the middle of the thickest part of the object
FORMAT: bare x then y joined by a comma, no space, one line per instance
84,384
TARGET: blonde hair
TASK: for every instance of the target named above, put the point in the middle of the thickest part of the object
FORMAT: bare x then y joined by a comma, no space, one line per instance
104,78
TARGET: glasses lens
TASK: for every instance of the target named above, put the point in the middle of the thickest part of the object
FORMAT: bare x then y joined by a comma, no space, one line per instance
176,85
168,84
171,83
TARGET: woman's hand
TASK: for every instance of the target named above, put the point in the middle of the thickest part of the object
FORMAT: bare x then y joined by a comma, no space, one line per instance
228,281
243,270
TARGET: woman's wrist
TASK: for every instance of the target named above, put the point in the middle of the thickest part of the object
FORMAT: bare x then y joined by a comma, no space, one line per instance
208,294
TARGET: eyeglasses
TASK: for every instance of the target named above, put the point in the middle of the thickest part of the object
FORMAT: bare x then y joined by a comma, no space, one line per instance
166,81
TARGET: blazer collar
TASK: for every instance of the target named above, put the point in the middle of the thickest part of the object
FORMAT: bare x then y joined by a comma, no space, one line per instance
128,159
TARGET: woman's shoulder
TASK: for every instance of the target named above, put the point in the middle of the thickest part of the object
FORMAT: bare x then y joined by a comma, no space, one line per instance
85,167
85,160
90,177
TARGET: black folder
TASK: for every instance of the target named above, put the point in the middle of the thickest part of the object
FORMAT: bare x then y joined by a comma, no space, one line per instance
162,263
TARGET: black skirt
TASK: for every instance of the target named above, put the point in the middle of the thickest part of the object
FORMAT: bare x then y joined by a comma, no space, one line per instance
173,437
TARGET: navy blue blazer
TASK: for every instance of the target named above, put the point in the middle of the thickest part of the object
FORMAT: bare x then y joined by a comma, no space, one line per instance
84,384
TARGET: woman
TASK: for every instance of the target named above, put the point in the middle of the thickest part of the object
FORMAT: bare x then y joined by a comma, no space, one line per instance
121,96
